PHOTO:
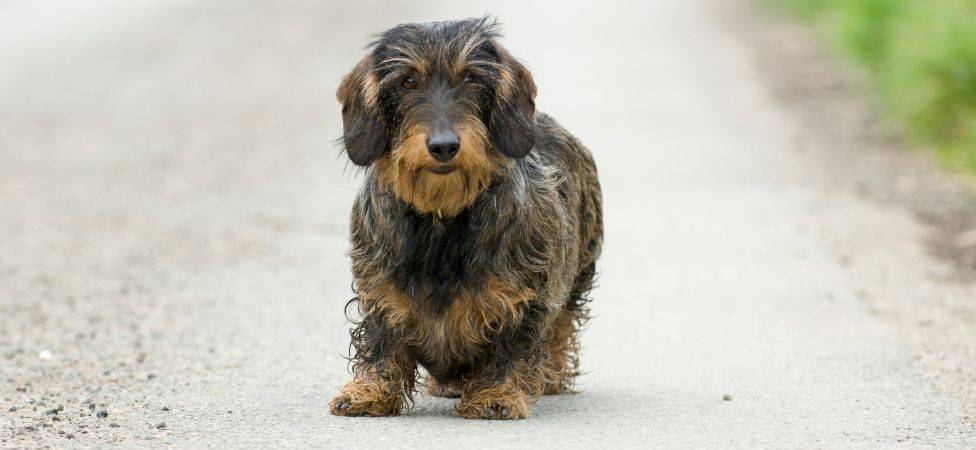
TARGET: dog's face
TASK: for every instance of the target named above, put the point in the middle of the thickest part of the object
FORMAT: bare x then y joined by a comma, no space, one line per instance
436,108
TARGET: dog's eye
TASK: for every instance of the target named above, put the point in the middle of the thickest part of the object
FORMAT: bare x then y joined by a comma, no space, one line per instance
409,82
470,78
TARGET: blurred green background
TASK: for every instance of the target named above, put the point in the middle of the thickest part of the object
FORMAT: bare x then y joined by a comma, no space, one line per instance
921,58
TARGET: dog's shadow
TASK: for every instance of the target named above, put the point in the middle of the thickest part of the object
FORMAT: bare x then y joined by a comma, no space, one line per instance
549,406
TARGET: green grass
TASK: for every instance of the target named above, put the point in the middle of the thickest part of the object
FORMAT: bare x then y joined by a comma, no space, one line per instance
921,55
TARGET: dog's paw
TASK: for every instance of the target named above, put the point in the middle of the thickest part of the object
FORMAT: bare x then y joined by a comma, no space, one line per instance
494,405
357,399
349,405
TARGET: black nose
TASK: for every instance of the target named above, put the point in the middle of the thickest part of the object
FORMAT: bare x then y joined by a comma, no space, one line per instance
443,145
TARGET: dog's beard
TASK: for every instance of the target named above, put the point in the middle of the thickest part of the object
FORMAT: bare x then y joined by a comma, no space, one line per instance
405,172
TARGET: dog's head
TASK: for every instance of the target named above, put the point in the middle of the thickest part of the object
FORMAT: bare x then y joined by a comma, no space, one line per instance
436,108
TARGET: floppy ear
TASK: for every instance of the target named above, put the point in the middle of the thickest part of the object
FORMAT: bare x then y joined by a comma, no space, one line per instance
363,131
512,122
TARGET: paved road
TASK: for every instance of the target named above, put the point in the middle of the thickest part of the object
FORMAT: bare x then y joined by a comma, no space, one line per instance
173,218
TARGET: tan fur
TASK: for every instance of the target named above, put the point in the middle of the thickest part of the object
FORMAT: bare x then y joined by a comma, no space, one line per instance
510,399
369,90
360,82
475,314
506,83
404,171
461,329
411,57
386,300
376,394
366,398
563,358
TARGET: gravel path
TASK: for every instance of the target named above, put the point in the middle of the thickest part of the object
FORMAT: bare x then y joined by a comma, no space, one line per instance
173,213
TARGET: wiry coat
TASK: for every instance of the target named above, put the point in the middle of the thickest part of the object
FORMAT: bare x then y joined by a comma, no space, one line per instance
487,298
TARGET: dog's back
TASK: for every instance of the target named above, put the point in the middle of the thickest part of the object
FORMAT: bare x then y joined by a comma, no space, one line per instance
558,147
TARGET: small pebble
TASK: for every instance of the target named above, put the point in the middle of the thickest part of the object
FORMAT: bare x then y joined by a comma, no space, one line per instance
727,398
54,411
165,408
12,409
45,354
101,414
113,425
161,426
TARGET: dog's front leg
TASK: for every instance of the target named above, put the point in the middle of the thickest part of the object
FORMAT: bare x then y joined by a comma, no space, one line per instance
383,374
509,397
512,375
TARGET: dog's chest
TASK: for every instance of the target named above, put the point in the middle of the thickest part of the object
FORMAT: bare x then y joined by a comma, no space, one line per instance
459,327
439,259
439,288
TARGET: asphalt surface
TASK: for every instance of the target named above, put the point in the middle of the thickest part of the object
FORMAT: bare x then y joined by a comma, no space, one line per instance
173,211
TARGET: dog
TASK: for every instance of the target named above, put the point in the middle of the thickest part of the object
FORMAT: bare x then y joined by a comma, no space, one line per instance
475,235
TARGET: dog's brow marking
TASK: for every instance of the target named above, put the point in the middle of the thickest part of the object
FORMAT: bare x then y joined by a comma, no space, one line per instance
463,59
387,63
398,59
405,51
409,56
